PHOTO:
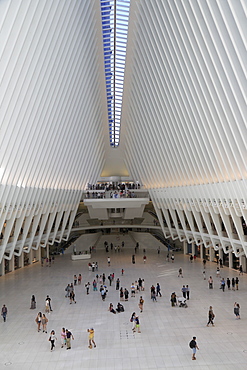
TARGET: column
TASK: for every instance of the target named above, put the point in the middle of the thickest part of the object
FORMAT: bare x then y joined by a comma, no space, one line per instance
2,267
201,251
12,264
242,261
193,249
21,260
30,256
39,254
211,254
185,247
230,260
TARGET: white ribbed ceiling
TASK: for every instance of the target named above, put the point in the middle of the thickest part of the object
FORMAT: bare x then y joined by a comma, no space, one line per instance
185,92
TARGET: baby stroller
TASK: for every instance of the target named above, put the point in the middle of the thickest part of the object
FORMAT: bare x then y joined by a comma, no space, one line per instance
182,302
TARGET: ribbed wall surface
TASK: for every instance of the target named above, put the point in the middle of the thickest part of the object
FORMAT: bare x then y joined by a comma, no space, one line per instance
185,113
52,108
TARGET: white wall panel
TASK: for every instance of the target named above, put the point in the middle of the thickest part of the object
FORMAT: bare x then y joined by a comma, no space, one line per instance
52,115
184,114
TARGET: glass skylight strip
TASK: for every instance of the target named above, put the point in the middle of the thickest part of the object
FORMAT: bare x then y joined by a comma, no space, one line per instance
115,18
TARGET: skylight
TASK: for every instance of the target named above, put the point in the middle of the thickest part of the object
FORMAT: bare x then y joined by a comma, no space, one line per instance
115,18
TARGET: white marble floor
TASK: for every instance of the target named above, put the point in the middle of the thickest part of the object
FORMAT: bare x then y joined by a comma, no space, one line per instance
165,331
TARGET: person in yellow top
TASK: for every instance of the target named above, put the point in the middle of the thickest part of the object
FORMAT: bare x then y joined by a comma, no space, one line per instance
91,338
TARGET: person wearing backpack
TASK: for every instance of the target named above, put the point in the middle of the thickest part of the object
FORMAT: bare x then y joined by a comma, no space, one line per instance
193,345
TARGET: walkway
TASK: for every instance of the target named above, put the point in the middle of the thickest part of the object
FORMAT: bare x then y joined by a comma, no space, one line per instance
165,331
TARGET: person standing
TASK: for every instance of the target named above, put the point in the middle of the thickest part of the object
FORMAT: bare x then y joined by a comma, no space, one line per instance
141,303
75,279
91,338
211,316
52,339
121,294
137,324
228,283
204,263
109,261
237,310
44,322
210,282
117,283
191,258
69,335
193,345
188,291
236,282
4,312
172,258
67,290
33,302
144,259
218,271
183,290
38,320
223,284
132,319
48,300
63,337
241,270
233,283
95,286
79,279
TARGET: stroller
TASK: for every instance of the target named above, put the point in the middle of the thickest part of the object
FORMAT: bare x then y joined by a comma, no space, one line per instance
182,302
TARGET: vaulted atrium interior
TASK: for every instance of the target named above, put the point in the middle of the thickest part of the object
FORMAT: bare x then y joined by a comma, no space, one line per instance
180,152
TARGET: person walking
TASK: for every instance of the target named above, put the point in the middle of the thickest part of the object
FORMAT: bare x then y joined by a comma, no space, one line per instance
75,279
223,284
52,339
193,345
141,303
4,312
38,320
237,310
126,295
67,290
137,324
191,258
241,270
72,297
69,335
204,274
204,263
173,299
87,286
91,338
233,283
33,302
172,258
63,337
218,271
180,272
79,279
211,316
44,322
109,261
117,283
158,290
